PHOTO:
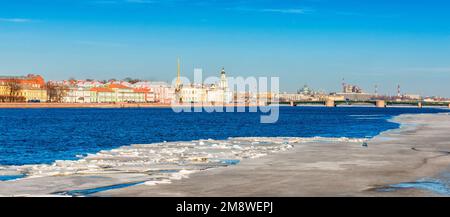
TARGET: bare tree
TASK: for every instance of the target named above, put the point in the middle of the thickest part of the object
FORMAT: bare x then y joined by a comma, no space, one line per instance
14,90
51,91
56,92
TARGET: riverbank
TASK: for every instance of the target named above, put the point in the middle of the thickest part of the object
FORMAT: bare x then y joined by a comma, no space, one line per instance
161,105
83,105
283,167
420,148
113,105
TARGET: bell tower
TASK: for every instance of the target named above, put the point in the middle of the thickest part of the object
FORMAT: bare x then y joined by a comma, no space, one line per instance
223,80
178,97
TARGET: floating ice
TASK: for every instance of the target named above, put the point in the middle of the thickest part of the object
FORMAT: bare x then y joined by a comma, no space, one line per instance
181,158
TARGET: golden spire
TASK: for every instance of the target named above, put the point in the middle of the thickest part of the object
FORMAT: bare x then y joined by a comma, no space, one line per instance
178,84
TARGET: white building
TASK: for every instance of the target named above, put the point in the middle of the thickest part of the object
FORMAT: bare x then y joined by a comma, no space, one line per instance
412,96
193,94
221,92
287,97
126,94
210,94
159,92
117,93
80,95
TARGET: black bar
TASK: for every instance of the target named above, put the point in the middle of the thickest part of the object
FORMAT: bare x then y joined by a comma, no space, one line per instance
280,206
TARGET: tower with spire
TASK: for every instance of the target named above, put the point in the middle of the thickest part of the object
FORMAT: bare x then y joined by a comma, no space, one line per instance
178,83
223,84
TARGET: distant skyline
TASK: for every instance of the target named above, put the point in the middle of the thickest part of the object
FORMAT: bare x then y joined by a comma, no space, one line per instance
314,42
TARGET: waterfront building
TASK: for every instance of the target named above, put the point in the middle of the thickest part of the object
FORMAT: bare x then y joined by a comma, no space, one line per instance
123,93
264,97
103,95
210,94
158,92
305,90
332,97
303,94
200,93
83,91
355,96
80,95
348,88
89,84
165,94
412,97
147,95
436,99
288,97
117,93
23,88
219,94
243,97
353,93
193,93
122,83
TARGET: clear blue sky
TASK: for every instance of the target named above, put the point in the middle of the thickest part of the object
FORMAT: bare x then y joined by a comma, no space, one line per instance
317,42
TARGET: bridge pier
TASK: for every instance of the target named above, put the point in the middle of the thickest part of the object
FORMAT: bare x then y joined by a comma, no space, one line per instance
330,103
380,104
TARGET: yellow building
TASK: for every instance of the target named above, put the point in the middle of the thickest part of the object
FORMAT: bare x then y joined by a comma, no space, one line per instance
4,90
34,94
22,88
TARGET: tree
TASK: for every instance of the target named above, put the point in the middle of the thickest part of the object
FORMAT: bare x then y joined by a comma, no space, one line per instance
56,92
14,90
131,80
134,81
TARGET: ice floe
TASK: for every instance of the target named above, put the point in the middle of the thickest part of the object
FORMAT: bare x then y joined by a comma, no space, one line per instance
167,161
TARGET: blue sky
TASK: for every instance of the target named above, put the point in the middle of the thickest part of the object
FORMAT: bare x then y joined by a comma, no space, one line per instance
315,42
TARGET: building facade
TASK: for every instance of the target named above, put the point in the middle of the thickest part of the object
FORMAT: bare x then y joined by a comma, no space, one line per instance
116,93
210,94
80,95
23,88
158,92
220,94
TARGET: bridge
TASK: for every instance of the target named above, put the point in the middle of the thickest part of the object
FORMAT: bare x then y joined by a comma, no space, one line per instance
377,103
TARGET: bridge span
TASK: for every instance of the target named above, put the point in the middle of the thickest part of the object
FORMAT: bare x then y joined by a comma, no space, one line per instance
377,103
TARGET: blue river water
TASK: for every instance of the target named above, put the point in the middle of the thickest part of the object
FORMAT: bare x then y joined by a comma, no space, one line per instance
32,136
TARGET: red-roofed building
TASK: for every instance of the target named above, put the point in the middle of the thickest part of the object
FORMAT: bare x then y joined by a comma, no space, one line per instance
103,94
159,92
117,86
148,93
23,88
